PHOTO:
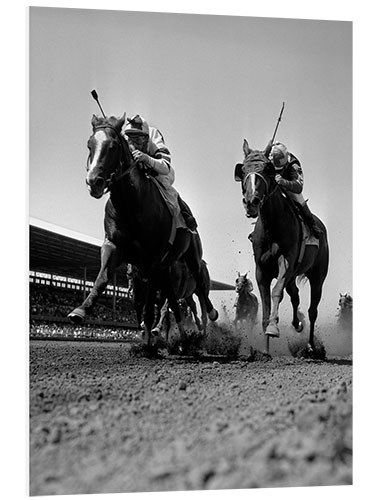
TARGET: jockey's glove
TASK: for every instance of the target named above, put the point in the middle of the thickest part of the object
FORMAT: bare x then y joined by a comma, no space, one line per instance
280,180
159,166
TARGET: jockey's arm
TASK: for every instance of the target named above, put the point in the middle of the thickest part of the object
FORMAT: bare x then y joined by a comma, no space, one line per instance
159,163
293,179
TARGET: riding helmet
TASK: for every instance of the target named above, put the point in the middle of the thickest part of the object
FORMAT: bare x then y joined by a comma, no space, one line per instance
137,126
279,155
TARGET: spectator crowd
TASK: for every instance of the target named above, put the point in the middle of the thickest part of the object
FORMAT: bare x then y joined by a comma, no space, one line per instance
46,300
50,305
44,329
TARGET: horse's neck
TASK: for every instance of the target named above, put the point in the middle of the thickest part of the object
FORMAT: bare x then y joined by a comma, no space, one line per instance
243,294
136,200
278,216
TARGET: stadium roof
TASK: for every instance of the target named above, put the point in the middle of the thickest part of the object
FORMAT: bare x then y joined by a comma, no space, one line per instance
59,251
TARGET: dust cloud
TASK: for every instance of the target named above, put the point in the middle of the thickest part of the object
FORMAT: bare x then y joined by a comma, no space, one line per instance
331,330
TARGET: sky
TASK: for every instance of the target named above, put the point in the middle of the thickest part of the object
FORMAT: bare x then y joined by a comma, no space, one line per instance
210,85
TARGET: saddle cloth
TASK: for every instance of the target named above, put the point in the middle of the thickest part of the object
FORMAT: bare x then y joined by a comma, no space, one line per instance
307,239
170,197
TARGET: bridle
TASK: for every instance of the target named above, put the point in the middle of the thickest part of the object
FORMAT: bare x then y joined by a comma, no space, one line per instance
261,176
121,170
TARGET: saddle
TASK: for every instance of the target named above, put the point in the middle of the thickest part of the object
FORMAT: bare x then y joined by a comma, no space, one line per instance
307,237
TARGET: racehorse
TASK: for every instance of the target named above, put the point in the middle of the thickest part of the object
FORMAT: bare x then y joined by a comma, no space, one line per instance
345,312
246,302
139,227
279,249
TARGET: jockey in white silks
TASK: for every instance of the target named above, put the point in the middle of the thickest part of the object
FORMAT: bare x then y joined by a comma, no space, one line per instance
148,148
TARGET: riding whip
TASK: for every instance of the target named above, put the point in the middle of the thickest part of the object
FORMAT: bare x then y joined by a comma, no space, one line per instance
277,124
95,96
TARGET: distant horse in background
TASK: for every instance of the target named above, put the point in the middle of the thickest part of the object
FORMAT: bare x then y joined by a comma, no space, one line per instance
139,227
281,248
345,310
246,304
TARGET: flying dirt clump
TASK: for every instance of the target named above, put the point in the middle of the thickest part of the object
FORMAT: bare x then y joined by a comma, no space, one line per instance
221,340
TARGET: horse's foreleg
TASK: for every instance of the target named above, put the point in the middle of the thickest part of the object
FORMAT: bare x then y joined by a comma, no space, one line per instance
149,314
193,307
315,296
277,294
293,292
264,290
110,259
157,329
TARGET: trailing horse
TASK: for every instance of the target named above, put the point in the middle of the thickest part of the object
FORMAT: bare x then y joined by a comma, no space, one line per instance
283,249
139,227
345,310
246,302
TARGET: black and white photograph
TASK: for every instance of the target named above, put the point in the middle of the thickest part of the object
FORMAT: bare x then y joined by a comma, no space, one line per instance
190,252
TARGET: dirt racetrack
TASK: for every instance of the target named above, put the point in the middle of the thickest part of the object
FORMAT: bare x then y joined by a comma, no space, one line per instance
103,421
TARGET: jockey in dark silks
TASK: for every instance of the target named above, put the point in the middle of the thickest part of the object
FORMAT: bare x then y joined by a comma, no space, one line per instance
289,175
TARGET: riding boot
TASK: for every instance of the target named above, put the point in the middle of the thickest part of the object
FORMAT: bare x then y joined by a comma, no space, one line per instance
187,214
310,221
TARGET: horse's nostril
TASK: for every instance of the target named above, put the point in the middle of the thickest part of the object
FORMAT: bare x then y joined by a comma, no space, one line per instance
99,182
256,201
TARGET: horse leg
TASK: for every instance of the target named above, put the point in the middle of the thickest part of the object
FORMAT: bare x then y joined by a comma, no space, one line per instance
264,285
202,291
277,296
173,304
316,287
149,314
162,317
193,307
110,259
293,292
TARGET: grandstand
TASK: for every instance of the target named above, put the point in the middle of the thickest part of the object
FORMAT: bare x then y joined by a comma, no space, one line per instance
63,266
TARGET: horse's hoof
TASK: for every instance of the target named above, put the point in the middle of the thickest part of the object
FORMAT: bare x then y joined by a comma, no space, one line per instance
77,316
156,331
272,331
213,315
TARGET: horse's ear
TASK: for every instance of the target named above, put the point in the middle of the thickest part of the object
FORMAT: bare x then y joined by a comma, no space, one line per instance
267,151
245,276
246,148
121,122
94,121
238,173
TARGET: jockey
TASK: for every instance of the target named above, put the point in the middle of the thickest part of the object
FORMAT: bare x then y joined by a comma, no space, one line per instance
289,175
148,148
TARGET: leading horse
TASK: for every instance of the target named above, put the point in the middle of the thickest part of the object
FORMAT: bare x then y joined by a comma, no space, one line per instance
138,224
278,243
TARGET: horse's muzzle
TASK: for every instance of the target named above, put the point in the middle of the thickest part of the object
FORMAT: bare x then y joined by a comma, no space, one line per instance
96,186
251,210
